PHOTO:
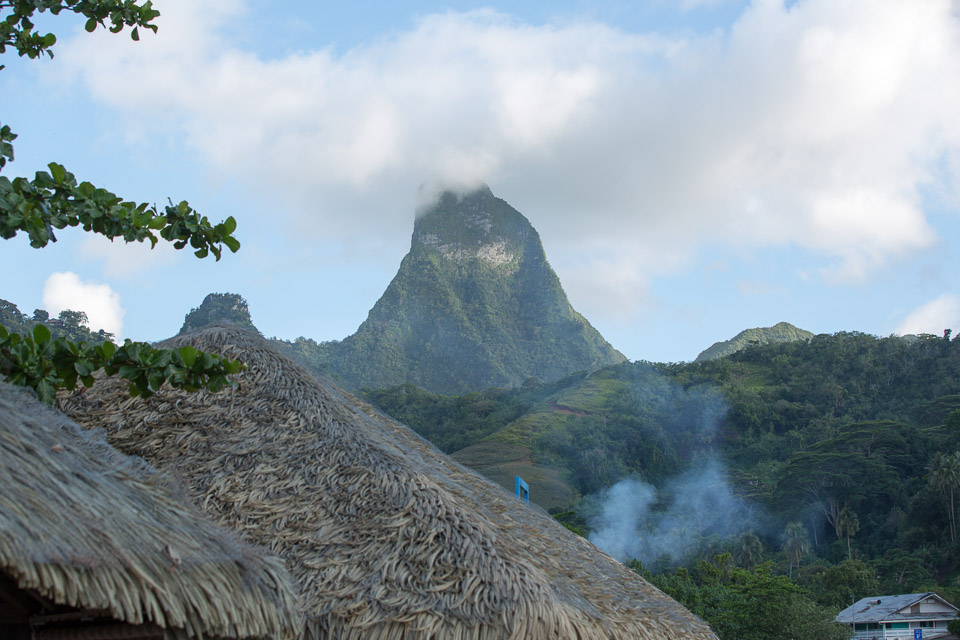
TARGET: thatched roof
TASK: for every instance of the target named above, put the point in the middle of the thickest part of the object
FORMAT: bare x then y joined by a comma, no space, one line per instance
387,537
84,526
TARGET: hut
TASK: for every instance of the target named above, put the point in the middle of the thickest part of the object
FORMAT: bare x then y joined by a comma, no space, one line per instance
95,544
387,537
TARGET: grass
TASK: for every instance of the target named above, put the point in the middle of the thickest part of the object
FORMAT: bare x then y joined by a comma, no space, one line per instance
547,487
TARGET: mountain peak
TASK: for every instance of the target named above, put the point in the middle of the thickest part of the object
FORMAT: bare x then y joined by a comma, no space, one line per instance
462,227
218,308
475,304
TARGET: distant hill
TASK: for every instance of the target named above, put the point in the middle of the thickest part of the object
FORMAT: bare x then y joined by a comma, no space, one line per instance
846,419
73,325
780,332
474,304
218,308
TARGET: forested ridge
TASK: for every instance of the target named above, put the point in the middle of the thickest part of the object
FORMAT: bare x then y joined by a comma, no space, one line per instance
69,324
845,445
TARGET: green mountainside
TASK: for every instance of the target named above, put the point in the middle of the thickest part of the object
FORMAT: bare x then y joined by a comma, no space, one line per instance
474,304
780,332
843,428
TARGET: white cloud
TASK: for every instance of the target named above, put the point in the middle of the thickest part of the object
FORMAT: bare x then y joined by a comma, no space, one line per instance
65,290
609,287
817,124
125,259
933,317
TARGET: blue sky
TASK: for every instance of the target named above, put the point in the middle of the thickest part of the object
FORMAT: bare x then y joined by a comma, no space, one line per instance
694,168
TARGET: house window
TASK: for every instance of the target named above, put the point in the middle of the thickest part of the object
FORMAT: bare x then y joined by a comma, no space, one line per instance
898,625
928,624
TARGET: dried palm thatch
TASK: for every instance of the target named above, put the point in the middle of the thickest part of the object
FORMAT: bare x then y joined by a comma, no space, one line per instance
86,527
387,537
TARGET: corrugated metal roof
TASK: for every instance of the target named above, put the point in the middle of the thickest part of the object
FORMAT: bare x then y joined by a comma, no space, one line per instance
886,608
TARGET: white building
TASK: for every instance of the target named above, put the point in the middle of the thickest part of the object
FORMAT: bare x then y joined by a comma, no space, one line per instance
905,617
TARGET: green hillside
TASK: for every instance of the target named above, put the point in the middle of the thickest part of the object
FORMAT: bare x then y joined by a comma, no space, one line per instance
801,430
474,304
780,332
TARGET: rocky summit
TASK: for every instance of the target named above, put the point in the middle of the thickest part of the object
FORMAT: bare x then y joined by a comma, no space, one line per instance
475,304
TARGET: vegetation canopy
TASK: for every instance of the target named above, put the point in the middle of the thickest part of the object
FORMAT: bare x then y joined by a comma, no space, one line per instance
55,199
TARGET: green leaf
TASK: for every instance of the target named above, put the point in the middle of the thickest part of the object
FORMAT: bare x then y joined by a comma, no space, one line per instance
188,354
83,368
58,172
90,25
109,349
128,372
41,334
46,392
232,243
216,383
135,34
155,380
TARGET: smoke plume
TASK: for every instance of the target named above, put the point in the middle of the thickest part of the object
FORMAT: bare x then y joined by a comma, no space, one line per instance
688,511
636,520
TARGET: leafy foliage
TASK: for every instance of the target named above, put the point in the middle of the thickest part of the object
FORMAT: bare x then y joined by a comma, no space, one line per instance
54,199
749,605
17,27
954,626
6,144
46,364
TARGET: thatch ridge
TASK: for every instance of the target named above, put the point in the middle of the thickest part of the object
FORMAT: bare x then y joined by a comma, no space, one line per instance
87,527
386,536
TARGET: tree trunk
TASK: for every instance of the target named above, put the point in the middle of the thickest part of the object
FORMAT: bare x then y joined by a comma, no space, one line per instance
849,549
833,515
953,518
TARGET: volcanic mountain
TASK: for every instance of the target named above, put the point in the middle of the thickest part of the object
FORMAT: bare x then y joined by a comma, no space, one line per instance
475,304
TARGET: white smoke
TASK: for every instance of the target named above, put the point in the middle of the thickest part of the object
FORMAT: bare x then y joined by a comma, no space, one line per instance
638,521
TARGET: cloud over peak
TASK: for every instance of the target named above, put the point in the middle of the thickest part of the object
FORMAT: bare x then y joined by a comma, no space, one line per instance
817,124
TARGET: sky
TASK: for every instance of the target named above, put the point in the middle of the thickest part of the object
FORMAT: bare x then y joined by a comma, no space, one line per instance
694,168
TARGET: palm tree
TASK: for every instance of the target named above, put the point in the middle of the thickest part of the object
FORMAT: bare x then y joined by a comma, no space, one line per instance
848,524
750,551
944,474
796,543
